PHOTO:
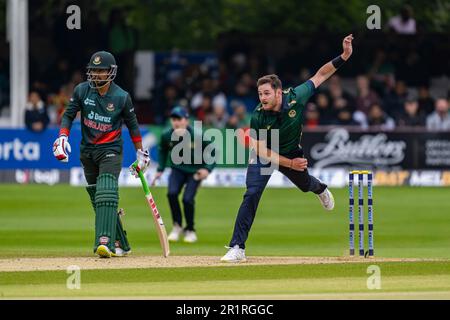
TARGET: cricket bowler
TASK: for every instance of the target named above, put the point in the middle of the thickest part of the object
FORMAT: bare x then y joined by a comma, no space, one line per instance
103,108
188,175
280,110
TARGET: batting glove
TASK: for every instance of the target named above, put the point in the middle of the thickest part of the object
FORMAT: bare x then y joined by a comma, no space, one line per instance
143,161
61,148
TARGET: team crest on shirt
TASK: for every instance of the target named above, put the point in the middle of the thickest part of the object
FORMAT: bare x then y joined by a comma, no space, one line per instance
292,113
110,107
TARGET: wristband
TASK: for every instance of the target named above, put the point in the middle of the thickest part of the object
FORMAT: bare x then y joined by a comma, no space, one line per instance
338,62
64,132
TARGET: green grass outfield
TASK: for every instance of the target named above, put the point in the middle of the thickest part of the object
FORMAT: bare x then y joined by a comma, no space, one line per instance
42,221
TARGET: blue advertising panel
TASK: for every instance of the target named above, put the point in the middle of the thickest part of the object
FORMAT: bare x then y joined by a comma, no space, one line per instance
24,149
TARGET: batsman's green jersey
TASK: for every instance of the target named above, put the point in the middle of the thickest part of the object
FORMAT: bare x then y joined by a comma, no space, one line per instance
101,117
289,120
166,147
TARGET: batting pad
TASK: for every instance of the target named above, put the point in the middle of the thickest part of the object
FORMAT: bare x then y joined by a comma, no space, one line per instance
106,202
121,235
91,190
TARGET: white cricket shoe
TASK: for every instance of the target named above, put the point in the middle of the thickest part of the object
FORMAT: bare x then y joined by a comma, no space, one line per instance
175,234
190,236
120,252
234,255
326,199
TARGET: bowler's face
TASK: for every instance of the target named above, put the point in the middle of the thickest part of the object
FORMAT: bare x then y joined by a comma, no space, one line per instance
268,96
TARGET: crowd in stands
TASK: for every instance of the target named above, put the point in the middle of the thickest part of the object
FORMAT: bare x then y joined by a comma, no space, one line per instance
225,99
393,92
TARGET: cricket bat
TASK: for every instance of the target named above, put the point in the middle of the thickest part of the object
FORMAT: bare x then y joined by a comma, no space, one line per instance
159,224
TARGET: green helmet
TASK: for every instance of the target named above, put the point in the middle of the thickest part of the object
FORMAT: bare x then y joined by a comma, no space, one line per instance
101,60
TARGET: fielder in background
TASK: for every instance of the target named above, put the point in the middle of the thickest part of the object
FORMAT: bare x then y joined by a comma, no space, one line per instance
103,107
281,110
187,174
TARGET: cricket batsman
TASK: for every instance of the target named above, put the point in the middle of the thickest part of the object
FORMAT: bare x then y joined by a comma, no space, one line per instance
184,174
103,108
280,110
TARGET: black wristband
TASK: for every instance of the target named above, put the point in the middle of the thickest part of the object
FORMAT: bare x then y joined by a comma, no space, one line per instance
338,62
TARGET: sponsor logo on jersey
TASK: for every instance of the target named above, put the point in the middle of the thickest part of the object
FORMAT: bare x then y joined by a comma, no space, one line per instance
110,155
290,104
89,102
292,113
95,116
97,126
110,107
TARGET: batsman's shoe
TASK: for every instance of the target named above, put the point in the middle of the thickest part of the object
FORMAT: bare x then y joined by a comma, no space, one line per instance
120,253
326,199
175,234
103,251
234,255
190,236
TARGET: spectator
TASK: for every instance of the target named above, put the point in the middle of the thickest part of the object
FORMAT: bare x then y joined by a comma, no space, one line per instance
209,88
325,112
404,23
219,117
239,118
344,117
337,93
379,119
411,115
312,115
58,103
243,94
339,104
395,99
366,96
205,111
426,102
440,118
36,118
165,101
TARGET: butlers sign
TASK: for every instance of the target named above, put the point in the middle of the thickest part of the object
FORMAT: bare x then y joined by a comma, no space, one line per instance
377,150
